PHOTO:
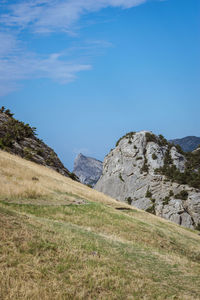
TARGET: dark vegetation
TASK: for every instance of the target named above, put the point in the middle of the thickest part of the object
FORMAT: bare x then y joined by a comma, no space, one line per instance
6,111
154,156
13,131
160,140
21,139
129,200
148,193
190,176
151,209
145,167
167,198
183,195
128,136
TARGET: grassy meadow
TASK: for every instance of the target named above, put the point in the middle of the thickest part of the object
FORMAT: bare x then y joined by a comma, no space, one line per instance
60,239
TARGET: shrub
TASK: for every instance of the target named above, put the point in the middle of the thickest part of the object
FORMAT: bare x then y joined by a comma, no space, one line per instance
160,140
148,193
150,137
183,195
145,167
151,209
127,136
8,113
15,130
28,153
2,109
166,200
40,152
73,176
154,156
168,159
129,200
179,149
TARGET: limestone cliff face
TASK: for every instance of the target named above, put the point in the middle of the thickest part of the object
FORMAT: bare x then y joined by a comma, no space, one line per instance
19,138
87,169
130,173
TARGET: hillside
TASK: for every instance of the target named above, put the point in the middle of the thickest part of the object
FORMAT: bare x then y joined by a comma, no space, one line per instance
150,173
87,169
188,143
62,240
19,138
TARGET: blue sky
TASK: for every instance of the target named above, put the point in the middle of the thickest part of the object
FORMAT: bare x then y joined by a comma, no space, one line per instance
85,72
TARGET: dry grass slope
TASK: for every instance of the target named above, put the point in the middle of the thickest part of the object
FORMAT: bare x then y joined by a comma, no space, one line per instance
62,240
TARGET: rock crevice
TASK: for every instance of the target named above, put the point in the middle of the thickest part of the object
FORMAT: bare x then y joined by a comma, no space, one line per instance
131,173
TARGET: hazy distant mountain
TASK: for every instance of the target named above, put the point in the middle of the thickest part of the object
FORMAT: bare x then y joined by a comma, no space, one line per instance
188,143
88,169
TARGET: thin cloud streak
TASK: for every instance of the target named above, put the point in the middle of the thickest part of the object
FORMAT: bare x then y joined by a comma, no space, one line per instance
47,16
19,68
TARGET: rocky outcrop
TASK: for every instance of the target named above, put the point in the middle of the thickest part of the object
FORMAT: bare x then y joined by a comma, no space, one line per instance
133,172
19,138
188,143
87,169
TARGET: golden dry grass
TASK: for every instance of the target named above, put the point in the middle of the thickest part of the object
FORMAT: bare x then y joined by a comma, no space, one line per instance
52,248
16,181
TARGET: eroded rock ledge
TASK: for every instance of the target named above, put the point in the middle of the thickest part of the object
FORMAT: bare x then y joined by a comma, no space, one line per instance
134,172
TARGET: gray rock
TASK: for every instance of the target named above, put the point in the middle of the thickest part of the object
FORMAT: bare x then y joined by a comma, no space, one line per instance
178,159
186,220
87,169
129,175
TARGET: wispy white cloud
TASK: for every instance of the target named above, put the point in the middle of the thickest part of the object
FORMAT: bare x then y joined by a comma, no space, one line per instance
46,16
50,15
14,68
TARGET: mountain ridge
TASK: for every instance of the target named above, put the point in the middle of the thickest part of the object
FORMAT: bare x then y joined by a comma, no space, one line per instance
150,173
19,138
188,143
87,169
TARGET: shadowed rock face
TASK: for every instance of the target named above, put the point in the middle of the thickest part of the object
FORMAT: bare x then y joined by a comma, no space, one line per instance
19,138
188,143
130,174
88,169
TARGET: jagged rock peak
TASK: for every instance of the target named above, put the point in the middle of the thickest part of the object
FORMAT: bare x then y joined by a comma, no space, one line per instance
150,173
151,151
88,169
19,138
